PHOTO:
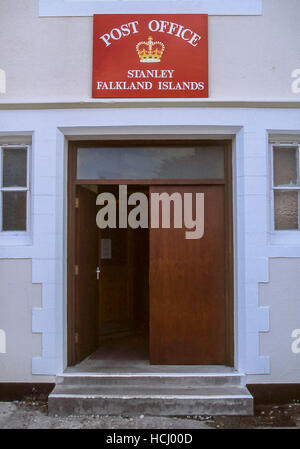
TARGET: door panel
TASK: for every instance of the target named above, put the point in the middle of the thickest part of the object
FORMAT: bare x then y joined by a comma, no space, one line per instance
86,284
187,287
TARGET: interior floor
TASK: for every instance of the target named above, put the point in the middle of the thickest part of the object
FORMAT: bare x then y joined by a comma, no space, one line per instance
129,348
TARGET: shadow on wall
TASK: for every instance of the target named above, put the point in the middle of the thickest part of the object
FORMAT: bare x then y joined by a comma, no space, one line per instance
2,342
2,82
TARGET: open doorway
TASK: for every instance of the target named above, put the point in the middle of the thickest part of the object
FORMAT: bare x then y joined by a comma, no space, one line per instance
150,294
123,289
114,327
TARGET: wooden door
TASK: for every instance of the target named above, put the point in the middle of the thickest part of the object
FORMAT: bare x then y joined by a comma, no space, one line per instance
86,284
187,287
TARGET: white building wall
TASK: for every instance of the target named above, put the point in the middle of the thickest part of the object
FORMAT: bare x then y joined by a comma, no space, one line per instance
51,128
51,57
49,60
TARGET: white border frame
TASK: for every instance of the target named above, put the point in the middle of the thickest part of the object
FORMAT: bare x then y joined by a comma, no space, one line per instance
249,270
73,8
160,132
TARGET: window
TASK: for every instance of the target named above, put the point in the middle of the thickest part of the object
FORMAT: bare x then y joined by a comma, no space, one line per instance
286,187
14,186
166,162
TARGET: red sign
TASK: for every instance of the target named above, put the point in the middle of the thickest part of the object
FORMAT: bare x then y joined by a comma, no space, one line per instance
150,55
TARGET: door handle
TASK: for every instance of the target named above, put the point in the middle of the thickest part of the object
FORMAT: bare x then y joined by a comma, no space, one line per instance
98,271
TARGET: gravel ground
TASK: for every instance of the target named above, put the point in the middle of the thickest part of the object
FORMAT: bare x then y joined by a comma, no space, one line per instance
34,415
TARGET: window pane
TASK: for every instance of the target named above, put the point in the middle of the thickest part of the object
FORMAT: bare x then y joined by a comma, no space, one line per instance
285,166
14,167
14,211
286,210
151,163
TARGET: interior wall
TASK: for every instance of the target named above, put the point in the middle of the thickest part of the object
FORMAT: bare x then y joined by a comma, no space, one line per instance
123,284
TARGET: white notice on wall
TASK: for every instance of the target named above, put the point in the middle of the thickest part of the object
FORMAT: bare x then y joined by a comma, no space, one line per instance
105,248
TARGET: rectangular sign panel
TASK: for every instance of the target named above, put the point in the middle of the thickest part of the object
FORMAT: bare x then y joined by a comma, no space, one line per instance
150,56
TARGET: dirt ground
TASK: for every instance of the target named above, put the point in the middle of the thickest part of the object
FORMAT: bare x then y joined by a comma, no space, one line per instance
34,415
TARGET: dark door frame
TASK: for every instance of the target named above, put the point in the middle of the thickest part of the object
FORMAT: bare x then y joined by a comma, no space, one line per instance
71,211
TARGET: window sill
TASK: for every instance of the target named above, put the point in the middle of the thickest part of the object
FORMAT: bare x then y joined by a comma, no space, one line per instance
286,238
15,239
72,8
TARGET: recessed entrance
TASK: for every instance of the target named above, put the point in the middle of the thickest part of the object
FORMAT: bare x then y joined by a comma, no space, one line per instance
150,295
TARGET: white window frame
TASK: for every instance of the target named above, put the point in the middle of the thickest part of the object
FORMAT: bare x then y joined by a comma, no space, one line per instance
16,237
288,236
72,8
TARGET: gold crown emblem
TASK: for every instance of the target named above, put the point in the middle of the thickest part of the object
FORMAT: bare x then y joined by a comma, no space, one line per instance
150,51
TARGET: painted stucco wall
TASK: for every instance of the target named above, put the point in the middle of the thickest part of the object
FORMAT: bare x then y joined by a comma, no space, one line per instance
51,57
18,295
282,295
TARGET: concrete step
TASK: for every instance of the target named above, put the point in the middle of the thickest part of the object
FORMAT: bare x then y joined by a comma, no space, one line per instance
148,399
153,379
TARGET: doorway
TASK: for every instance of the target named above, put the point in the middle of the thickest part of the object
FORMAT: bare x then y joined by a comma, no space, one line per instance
111,283
123,288
150,294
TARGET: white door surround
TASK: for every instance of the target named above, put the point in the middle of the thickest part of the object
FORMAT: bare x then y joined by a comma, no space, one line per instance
52,128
